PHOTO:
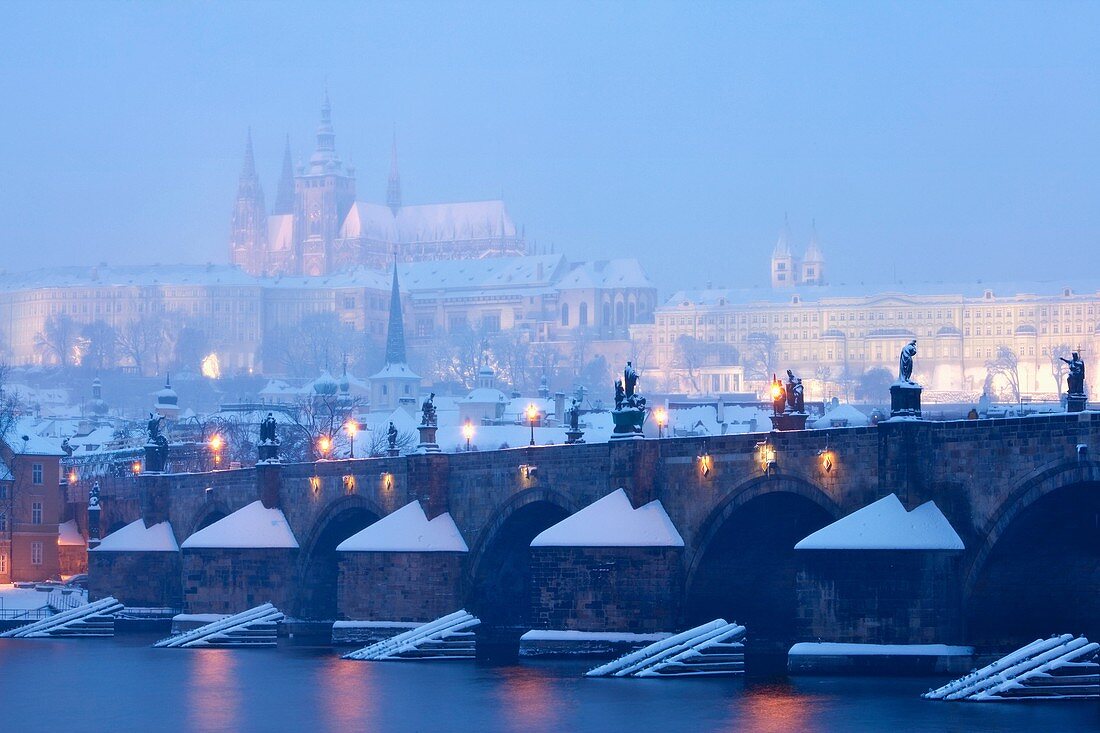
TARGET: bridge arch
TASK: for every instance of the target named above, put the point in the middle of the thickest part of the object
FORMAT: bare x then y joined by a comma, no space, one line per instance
1037,569
499,575
318,561
752,531
209,512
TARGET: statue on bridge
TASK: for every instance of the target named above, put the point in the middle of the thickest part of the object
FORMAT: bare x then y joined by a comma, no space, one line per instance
795,393
428,416
779,396
630,410
156,447
268,446
1076,377
391,437
905,362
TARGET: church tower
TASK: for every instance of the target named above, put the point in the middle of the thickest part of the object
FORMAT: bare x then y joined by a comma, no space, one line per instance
324,191
395,385
393,185
284,194
813,263
785,270
248,239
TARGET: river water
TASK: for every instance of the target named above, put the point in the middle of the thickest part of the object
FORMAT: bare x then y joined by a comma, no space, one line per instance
70,686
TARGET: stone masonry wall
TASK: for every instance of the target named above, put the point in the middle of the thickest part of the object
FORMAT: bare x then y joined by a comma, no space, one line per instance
621,589
234,580
879,597
399,586
142,579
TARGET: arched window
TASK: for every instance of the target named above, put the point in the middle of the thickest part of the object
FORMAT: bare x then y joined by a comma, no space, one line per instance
565,314
630,313
582,315
607,314
620,316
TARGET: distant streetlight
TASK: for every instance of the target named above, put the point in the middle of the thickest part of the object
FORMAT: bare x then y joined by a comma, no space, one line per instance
661,415
532,415
467,432
352,429
135,467
324,444
216,445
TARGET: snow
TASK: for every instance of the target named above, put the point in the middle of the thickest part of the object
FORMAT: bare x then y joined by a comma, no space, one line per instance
885,525
136,537
252,526
36,444
22,599
376,624
407,530
570,635
202,618
846,415
807,648
613,522
68,534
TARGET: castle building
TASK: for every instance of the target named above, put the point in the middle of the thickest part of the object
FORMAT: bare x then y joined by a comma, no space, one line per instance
319,226
971,338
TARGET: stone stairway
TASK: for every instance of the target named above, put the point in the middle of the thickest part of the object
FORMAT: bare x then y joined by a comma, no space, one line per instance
715,648
255,628
445,638
1059,668
89,619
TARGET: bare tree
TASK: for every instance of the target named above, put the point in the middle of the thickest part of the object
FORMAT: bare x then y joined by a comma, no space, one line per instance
512,352
58,340
100,346
688,356
874,384
142,340
1058,368
761,358
10,406
1007,366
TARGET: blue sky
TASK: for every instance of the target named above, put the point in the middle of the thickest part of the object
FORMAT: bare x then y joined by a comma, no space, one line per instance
936,141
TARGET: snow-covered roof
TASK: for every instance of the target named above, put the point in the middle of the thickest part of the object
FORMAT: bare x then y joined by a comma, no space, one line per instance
619,273
395,371
36,444
613,522
428,222
491,273
136,537
885,525
68,534
848,414
252,526
407,530
484,396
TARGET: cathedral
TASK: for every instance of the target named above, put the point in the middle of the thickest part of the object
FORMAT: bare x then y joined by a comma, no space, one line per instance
317,226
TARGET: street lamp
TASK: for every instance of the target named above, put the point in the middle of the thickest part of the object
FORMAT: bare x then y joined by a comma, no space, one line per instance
324,444
216,445
532,415
661,415
352,428
467,432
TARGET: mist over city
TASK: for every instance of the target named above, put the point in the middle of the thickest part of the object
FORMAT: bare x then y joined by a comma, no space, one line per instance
413,366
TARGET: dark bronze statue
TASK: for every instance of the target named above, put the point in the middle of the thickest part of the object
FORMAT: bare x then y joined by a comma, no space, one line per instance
574,416
153,428
1075,380
905,362
795,393
620,394
267,429
391,437
428,409
630,379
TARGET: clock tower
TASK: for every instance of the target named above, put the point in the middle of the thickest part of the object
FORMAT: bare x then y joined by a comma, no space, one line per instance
324,191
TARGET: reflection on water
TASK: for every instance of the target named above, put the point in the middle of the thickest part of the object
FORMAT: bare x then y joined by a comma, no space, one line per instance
775,707
527,697
214,695
345,693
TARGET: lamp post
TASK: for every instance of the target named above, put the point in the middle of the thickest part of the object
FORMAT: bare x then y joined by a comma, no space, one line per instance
532,415
324,445
467,432
216,445
352,429
662,419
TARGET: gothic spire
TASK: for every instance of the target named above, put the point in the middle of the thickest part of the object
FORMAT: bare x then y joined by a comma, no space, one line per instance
325,155
284,194
813,252
249,190
393,186
783,243
248,171
395,337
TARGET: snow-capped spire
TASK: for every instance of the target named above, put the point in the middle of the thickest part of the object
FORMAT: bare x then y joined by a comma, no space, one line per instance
393,186
783,243
813,252
395,337
248,171
325,155
284,194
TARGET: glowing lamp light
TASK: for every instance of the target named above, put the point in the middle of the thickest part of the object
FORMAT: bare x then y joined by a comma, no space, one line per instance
216,442
315,483
827,460
661,416
468,432
349,483
352,428
532,415
210,366
706,463
387,480
528,471
72,477
135,467
776,390
324,444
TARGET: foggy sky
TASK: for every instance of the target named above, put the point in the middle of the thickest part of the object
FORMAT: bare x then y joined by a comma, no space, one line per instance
955,142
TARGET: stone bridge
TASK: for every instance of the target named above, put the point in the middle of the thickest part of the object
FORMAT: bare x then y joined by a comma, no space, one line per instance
1022,494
